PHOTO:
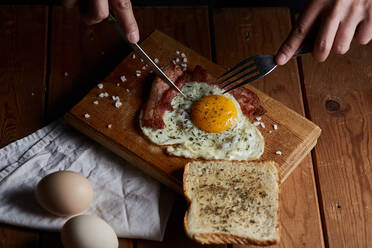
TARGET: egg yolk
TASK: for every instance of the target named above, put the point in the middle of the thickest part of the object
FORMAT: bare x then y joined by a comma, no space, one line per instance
214,113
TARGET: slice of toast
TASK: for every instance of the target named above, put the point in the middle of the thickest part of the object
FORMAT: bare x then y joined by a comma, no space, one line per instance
232,202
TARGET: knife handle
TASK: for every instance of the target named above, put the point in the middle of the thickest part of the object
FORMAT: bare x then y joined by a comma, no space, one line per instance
307,45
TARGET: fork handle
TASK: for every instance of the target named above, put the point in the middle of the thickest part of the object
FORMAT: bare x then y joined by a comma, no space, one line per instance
307,45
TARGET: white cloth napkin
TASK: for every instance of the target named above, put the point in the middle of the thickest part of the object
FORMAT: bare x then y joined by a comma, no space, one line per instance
135,205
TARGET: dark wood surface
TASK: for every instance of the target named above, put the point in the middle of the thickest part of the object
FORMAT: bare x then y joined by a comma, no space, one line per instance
325,202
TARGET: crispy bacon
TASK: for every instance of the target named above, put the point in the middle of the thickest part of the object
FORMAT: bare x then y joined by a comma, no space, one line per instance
161,95
154,111
248,101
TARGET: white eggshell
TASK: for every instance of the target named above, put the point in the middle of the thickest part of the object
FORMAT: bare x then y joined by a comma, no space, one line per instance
88,231
64,193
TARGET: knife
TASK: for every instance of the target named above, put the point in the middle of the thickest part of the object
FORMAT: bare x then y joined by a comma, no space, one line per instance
142,54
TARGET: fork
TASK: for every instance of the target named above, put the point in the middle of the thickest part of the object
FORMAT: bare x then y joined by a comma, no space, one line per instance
258,66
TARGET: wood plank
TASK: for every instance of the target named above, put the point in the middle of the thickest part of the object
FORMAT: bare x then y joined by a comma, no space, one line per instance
22,73
81,56
260,31
189,25
22,88
339,95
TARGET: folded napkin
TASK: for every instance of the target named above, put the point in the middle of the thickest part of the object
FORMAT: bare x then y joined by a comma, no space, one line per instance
135,205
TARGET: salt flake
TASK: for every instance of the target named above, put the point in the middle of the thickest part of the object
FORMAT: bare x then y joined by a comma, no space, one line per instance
123,78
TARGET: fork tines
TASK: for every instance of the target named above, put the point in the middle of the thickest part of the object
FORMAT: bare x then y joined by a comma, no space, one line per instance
240,73
246,71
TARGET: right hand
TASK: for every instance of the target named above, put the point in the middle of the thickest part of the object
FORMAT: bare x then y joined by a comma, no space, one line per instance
95,11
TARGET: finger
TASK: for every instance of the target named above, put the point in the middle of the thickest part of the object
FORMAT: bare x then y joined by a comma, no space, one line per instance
346,30
124,13
298,33
326,35
364,32
69,3
94,11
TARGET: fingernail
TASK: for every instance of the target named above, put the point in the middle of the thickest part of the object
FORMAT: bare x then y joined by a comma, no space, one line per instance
281,59
133,37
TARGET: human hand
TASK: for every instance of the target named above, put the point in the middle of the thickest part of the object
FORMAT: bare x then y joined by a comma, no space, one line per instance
95,11
341,20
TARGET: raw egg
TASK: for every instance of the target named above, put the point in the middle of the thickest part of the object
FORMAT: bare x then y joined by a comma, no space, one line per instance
64,193
88,231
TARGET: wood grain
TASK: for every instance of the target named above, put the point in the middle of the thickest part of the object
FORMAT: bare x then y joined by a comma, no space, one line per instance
261,31
22,73
339,96
22,88
189,25
80,57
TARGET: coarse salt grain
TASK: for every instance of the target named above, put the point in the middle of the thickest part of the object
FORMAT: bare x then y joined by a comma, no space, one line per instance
138,74
32,93
184,65
184,60
101,95
106,94
123,78
100,86
270,131
256,123
65,74
183,55
138,71
275,126
118,84
95,102
143,68
278,153
127,90
86,116
262,124
133,56
156,60
258,118
117,104
177,52
184,69
141,60
151,71
109,126
177,60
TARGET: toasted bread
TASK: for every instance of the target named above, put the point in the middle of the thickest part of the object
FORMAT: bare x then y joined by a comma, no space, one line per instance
232,202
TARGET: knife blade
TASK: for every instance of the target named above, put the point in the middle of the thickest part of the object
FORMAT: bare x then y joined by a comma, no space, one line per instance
142,54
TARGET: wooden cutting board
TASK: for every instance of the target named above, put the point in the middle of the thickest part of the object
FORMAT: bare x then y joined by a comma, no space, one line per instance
295,136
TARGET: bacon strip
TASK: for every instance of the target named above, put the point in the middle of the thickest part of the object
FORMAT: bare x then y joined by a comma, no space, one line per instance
161,95
154,111
248,101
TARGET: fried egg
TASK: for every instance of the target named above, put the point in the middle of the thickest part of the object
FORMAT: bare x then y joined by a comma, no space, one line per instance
207,124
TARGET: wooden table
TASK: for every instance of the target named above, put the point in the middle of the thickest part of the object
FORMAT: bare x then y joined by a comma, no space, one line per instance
49,60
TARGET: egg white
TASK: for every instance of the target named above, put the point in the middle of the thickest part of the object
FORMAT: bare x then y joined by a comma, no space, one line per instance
240,142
